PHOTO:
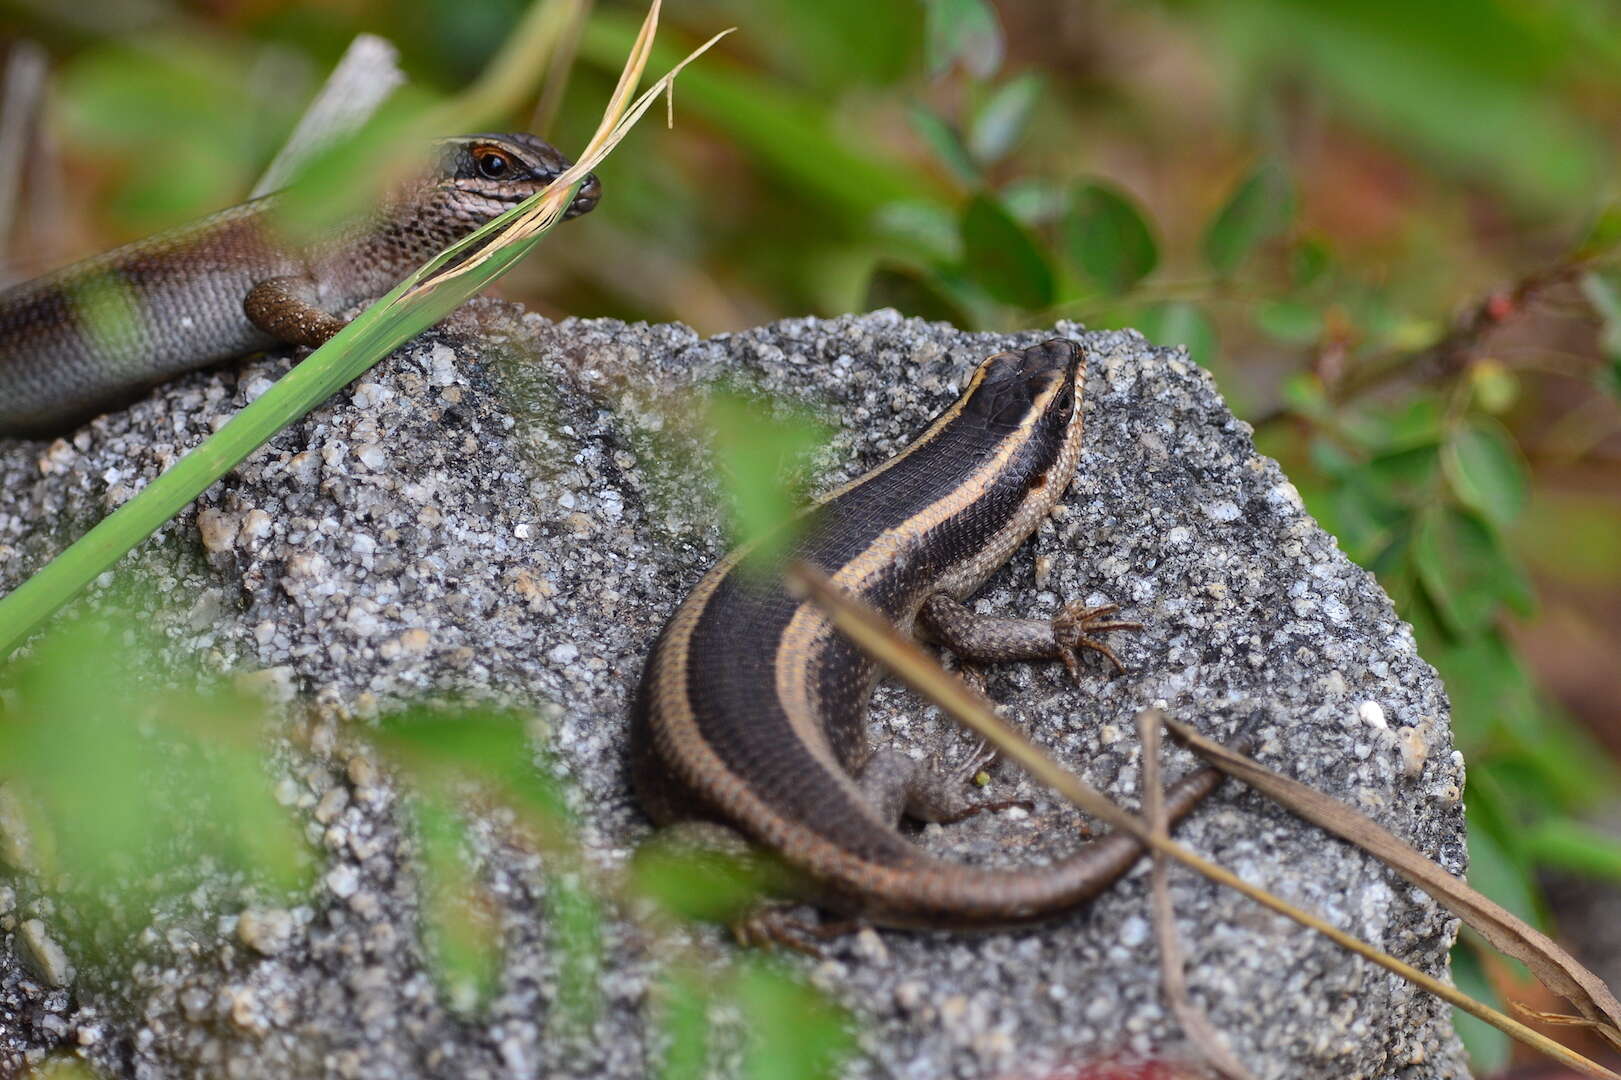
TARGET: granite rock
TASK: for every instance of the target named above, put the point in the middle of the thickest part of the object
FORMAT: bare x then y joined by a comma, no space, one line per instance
509,508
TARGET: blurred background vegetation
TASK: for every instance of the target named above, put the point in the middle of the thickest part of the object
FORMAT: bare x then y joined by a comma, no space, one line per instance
1391,231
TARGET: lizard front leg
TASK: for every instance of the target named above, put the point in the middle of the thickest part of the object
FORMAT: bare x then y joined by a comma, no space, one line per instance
992,639
286,309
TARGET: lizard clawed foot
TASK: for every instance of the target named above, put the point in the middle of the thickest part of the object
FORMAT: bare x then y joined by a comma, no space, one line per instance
984,754
1073,629
769,926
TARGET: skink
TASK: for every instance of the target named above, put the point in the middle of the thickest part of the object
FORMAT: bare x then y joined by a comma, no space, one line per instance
752,708
94,334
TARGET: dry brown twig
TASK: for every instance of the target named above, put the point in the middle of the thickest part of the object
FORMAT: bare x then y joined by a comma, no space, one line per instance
1173,965
1553,966
904,657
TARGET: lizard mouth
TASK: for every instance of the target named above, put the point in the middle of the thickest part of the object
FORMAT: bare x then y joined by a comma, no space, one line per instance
585,200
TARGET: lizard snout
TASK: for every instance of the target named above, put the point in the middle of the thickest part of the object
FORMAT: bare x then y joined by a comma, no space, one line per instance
585,200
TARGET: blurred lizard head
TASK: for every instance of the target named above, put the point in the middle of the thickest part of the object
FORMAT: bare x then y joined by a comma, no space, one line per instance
501,170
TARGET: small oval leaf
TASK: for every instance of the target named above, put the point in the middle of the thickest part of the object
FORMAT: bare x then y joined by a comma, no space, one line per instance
944,141
1001,120
1002,257
1485,471
1603,291
1260,209
965,30
1465,570
1108,238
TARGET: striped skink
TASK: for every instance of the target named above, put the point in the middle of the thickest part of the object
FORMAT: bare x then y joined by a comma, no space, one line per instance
752,709
93,335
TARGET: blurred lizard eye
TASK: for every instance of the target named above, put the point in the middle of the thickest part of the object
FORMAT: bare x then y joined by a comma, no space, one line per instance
492,164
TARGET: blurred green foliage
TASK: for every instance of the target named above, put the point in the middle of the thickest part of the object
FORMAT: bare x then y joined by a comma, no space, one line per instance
760,449
1392,237
125,792
122,793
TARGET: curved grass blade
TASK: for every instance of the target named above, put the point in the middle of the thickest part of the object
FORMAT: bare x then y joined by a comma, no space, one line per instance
418,302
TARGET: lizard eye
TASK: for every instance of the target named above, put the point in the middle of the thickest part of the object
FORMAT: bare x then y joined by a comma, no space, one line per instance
1066,400
492,164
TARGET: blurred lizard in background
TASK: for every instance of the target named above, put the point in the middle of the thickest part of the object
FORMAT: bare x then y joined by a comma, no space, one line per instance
93,335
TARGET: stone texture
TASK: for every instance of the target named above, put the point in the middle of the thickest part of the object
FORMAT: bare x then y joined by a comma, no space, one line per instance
510,508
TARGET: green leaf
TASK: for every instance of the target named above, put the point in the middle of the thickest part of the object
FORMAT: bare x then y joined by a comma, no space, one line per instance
1035,200
1484,678
795,1033
1259,210
1108,238
1564,844
1289,321
1393,565
1603,290
1332,459
347,177
1485,470
1000,122
913,292
700,884
1178,323
1366,516
125,789
946,144
683,1014
575,918
1379,430
1405,475
1605,233
760,445
1465,570
457,913
163,116
1496,867
1002,258
965,30
1609,376
431,745
926,228
1309,262
1418,421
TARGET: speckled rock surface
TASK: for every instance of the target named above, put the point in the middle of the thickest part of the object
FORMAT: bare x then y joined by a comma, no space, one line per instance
512,508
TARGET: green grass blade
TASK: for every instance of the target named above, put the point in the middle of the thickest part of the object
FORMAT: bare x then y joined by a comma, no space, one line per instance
375,333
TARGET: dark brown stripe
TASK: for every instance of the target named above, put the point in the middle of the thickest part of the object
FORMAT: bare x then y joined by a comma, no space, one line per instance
735,702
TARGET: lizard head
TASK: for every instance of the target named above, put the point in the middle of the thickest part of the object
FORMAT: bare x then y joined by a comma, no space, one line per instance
1029,402
1034,389
501,170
